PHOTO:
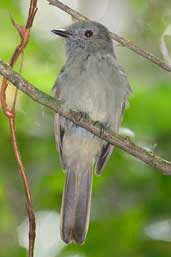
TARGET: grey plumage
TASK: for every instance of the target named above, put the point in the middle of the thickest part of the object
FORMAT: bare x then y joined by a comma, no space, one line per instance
92,82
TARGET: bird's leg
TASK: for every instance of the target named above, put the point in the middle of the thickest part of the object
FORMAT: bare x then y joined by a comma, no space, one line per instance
102,126
83,115
79,115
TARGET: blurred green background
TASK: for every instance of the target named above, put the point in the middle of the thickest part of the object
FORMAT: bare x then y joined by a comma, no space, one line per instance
131,202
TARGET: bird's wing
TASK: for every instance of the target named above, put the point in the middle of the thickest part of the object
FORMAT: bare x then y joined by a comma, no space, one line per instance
59,129
106,151
57,85
119,77
59,135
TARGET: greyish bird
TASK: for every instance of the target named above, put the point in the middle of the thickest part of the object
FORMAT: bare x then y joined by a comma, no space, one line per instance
91,82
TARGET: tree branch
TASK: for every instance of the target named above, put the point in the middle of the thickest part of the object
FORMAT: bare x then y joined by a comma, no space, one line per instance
124,42
124,143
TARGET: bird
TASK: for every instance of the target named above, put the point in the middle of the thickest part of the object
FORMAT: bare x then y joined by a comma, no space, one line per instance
93,83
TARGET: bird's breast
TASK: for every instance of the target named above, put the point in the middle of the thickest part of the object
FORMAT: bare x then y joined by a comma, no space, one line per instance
90,90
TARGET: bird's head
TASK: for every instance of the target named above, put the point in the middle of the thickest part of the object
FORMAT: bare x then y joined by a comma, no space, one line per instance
87,36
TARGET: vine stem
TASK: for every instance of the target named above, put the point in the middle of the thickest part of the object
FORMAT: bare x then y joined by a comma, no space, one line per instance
24,32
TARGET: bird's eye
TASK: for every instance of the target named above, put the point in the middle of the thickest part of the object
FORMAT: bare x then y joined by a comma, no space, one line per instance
88,33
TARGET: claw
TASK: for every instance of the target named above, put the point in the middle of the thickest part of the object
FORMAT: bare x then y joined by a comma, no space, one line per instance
101,126
79,115
84,115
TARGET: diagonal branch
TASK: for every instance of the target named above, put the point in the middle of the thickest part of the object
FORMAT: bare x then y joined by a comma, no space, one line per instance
124,42
124,143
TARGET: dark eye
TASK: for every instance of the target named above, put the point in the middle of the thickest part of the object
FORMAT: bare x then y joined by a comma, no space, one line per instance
88,33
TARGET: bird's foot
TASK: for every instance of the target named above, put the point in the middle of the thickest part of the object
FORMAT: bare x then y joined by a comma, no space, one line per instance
79,115
84,116
102,126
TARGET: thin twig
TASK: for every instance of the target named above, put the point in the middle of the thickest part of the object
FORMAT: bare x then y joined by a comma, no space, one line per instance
124,143
124,42
16,89
24,32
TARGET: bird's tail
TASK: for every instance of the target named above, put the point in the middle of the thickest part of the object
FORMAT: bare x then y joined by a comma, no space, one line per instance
76,206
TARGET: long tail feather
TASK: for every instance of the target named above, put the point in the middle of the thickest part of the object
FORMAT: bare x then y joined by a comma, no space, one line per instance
76,206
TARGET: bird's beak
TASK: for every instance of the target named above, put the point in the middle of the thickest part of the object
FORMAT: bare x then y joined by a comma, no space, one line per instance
61,32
